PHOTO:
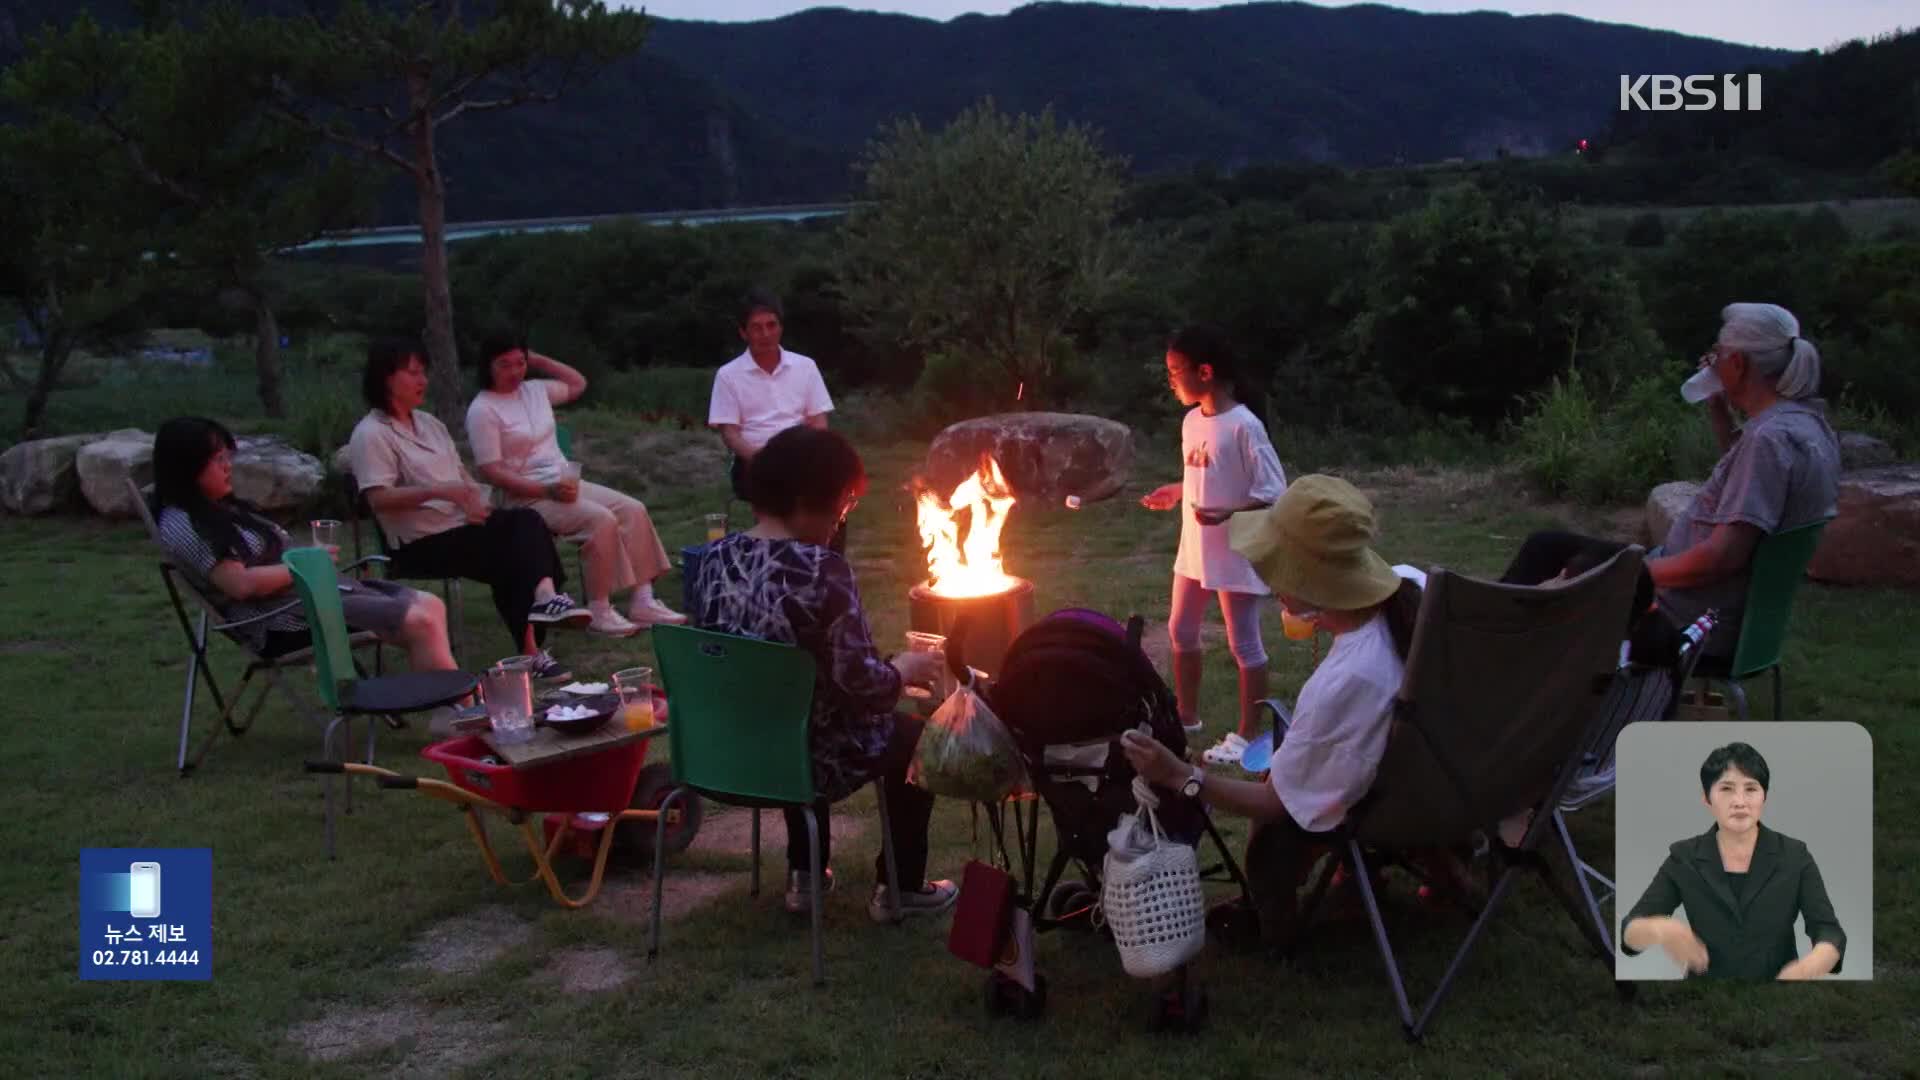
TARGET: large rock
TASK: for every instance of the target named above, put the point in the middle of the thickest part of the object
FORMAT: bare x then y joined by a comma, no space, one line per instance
1876,538
1044,456
104,466
1665,503
273,475
41,476
1860,451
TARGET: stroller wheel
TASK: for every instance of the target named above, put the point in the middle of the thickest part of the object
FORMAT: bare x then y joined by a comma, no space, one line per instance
1181,1009
1072,903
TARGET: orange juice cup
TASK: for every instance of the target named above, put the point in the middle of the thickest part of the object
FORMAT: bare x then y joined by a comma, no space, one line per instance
635,686
1295,629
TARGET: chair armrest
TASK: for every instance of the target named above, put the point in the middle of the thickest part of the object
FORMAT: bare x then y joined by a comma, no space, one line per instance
365,560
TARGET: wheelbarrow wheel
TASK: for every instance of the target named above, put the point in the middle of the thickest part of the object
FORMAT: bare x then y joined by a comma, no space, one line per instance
634,840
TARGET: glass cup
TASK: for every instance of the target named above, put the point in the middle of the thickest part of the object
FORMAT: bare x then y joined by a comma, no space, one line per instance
507,687
716,527
1294,627
635,685
920,642
326,532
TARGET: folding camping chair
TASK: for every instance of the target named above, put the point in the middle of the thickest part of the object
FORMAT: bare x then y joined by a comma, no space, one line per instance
1494,715
1779,566
1637,693
199,664
342,690
731,692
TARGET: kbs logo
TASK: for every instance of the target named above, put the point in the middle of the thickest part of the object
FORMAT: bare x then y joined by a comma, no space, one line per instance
1694,93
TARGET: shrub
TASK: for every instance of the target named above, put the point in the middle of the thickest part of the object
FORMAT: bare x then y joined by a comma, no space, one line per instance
1596,446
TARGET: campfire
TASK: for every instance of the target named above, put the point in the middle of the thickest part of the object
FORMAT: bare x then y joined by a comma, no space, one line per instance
965,579
967,566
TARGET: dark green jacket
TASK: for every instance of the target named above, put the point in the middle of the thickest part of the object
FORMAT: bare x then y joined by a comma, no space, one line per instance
1751,938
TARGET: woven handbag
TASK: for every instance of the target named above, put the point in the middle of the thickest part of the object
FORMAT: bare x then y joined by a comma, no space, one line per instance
1154,905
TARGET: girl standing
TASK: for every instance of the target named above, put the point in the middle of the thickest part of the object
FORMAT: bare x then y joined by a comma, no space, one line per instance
1230,466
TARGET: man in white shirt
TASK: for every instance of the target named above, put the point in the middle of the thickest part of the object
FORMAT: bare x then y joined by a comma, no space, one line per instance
765,391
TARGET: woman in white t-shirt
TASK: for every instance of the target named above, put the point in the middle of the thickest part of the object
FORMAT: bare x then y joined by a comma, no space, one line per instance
511,428
1230,466
1313,549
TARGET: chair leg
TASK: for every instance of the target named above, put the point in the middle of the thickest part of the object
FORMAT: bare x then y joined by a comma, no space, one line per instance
186,709
327,754
886,852
456,618
1779,700
1460,956
754,889
1580,872
660,865
814,882
1363,876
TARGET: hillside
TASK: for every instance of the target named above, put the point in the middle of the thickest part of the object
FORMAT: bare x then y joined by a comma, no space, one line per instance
777,111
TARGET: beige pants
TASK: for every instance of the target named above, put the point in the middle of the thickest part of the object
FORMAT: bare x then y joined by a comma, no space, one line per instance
602,515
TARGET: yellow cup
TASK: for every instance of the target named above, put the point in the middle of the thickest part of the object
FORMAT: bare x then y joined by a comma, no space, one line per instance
1296,629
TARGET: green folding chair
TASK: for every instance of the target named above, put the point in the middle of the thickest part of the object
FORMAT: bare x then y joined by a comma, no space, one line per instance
738,736
343,693
1779,566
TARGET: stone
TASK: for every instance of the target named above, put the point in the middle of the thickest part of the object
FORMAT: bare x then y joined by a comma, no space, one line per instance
105,465
1876,538
1044,456
41,476
1665,503
273,475
1861,451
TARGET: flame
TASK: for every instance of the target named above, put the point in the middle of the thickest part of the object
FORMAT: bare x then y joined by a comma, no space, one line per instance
969,567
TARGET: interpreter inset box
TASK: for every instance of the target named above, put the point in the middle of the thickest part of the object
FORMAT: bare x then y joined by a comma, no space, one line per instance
1744,851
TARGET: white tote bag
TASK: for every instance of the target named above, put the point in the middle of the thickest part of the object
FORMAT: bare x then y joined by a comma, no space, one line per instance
1151,897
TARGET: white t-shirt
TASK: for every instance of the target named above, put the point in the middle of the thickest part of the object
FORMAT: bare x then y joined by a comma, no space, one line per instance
766,404
1229,462
517,430
1331,752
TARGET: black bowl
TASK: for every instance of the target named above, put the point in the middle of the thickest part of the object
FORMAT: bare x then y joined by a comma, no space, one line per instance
604,706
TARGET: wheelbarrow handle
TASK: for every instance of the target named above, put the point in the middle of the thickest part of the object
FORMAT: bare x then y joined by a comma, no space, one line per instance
325,767
401,782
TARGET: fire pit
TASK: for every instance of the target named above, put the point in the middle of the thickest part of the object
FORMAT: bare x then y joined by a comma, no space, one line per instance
965,578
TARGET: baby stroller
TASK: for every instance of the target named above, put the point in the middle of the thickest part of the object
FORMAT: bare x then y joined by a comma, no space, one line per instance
1069,685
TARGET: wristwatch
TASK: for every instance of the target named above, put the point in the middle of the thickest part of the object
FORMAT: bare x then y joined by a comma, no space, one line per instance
1191,789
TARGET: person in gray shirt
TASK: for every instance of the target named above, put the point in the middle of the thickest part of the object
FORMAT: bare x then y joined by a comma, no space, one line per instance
1781,470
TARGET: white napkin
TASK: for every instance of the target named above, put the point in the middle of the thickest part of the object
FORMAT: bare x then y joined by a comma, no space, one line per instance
585,688
570,712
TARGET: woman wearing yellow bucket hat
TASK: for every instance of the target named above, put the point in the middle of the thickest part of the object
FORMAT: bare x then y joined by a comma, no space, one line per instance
1313,548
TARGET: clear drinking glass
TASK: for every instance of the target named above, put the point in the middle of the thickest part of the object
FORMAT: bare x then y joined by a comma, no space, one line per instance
326,532
716,527
921,642
508,689
635,685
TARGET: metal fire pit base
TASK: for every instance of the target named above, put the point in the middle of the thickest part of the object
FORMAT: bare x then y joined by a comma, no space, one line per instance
992,621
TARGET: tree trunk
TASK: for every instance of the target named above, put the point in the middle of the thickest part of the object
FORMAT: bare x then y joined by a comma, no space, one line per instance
443,394
54,350
266,354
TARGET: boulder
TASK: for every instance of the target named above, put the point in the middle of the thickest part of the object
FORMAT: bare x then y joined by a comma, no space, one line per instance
1876,538
1860,451
104,466
1665,503
40,476
272,475
1044,456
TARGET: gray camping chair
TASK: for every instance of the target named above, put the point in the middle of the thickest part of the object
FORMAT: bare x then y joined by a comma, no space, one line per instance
1494,716
210,618
1638,693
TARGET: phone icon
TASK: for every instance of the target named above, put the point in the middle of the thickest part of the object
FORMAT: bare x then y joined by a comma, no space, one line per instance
143,895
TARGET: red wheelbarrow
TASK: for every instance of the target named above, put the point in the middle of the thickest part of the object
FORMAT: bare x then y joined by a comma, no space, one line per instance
586,786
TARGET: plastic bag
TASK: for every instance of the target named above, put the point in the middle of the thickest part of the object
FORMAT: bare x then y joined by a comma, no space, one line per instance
966,753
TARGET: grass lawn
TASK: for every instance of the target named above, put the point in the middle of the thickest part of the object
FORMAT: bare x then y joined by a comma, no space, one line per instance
402,958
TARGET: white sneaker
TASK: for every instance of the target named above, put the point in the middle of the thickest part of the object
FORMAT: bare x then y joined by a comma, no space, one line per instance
1194,728
653,613
1227,751
609,622
930,898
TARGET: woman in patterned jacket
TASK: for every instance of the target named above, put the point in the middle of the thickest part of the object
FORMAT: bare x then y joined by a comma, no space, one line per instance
781,582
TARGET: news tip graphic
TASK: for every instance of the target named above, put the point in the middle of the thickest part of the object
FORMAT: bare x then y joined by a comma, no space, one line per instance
146,914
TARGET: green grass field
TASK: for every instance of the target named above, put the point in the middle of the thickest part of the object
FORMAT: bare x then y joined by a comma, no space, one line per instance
401,958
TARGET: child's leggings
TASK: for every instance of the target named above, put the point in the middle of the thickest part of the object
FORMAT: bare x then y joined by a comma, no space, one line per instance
1241,610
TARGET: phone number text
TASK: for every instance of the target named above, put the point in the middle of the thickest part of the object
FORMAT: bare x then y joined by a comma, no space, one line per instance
141,957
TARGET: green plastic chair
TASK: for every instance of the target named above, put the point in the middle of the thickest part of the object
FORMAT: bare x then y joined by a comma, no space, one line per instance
342,692
738,735
1779,566
563,435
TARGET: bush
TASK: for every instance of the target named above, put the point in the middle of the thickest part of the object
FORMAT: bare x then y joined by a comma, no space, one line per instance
1600,447
1648,230
674,395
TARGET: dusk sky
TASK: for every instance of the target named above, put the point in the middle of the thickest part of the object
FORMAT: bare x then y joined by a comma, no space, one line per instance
1787,24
